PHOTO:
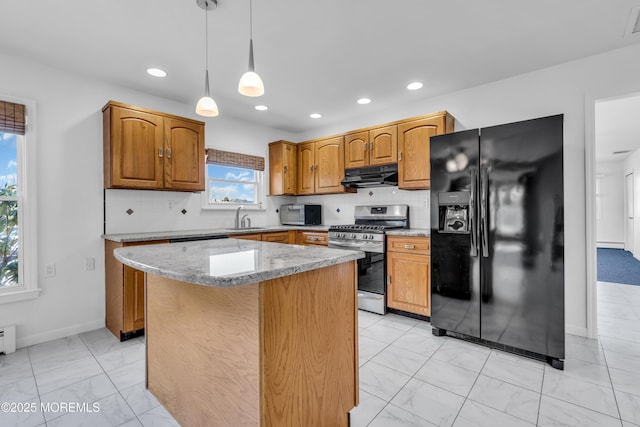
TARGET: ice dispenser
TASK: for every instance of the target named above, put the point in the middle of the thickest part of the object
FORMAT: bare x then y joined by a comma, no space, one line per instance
453,212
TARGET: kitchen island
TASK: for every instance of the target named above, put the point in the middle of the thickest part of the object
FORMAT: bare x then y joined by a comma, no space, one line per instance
250,333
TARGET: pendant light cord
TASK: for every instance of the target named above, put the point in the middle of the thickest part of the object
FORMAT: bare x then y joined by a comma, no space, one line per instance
251,19
206,33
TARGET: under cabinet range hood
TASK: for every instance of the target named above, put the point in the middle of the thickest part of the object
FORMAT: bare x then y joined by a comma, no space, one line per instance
372,176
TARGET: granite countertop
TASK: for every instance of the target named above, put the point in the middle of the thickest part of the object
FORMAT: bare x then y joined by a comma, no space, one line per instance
414,232
212,232
230,262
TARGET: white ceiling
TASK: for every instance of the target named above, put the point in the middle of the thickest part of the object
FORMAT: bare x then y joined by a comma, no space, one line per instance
617,127
314,56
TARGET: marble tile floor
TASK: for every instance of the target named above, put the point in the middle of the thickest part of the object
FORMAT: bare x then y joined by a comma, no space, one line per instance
408,377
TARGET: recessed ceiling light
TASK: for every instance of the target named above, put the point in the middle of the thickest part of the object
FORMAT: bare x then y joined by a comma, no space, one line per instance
261,107
414,86
315,115
156,72
363,101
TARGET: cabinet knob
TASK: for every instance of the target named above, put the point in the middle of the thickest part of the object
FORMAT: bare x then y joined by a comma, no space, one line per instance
371,146
285,169
365,146
399,155
409,246
160,152
168,153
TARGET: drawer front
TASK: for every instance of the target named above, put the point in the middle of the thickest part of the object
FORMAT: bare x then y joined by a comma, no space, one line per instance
409,245
279,237
313,238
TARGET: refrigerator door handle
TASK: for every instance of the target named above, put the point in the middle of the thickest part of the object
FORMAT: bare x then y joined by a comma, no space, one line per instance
473,223
484,226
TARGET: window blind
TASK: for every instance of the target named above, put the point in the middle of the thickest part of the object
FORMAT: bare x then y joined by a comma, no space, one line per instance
12,118
229,158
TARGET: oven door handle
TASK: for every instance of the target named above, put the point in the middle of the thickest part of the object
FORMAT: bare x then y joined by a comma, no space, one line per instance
355,246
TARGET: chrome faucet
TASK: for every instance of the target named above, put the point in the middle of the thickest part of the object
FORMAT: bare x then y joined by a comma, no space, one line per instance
238,217
245,222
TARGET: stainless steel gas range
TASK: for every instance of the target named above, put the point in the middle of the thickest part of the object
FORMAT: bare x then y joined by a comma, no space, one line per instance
368,235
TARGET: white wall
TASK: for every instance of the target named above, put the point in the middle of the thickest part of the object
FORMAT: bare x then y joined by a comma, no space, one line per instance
632,165
560,89
610,206
70,194
70,160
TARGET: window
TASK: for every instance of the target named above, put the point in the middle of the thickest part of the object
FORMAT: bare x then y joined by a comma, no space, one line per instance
10,204
234,179
18,274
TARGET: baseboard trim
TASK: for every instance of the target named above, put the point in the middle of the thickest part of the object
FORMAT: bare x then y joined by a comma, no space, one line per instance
58,333
610,245
575,330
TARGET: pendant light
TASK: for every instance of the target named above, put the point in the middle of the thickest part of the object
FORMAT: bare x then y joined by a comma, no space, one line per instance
206,105
250,82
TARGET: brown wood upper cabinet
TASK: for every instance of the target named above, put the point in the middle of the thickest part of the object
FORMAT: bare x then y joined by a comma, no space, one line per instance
372,147
321,166
146,149
414,169
283,166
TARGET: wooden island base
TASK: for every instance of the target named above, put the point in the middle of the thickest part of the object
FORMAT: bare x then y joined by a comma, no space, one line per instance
283,352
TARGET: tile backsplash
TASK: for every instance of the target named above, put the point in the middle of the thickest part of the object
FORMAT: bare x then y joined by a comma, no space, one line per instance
339,208
132,211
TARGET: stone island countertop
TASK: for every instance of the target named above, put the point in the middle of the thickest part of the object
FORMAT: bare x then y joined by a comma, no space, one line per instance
230,262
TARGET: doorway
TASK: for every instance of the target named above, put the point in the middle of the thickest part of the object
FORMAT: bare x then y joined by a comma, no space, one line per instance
615,154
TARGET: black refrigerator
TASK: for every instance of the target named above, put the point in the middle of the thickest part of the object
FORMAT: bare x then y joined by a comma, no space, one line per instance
497,237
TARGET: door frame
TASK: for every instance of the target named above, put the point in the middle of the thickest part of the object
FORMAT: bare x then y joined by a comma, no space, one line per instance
590,201
629,202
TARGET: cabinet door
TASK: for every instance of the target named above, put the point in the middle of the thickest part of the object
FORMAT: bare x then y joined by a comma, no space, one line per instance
283,158
383,145
414,169
255,236
356,150
133,299
184,155
306,169
408,286
279,237
135,144
290,168
329,167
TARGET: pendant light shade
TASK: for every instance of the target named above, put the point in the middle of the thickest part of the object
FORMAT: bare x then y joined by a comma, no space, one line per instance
250,83
206,106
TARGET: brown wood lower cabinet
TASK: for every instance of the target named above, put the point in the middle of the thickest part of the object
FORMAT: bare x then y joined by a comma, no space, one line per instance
409,274
124,293
280,237
282,352
253,236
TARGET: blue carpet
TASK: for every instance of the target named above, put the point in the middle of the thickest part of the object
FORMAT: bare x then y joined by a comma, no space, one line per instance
618,266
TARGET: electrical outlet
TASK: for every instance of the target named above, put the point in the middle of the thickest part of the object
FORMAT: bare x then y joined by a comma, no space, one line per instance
50,270
89,264
171,204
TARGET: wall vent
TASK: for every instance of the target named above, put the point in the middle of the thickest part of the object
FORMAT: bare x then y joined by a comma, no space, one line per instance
7,339
633,25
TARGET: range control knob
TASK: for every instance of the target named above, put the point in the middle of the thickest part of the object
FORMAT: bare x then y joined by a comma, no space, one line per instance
353,235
